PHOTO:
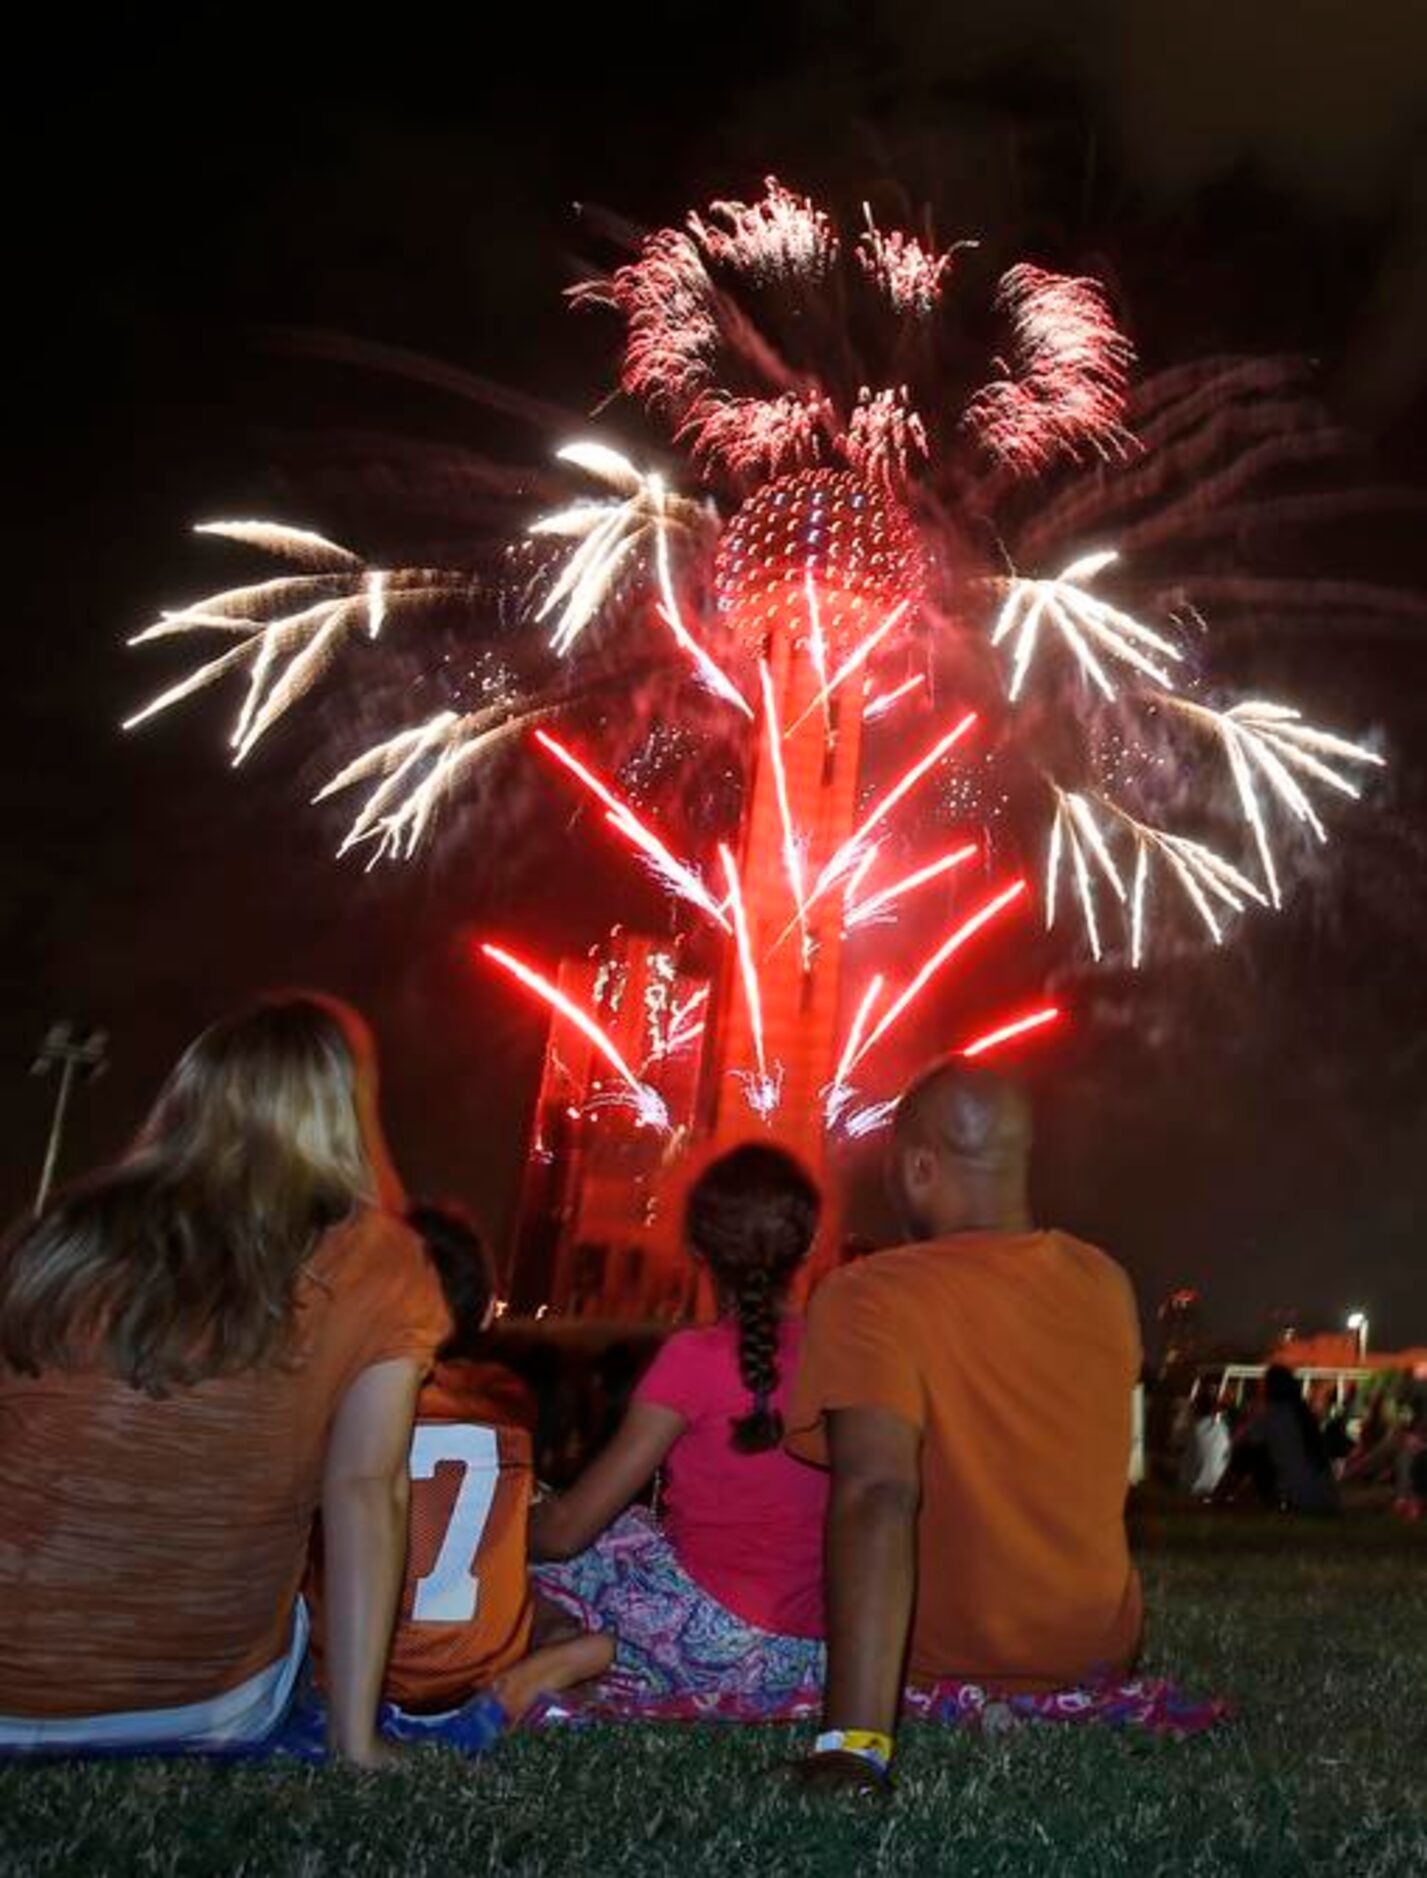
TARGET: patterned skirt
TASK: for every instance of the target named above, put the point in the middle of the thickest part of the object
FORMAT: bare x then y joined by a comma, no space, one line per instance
676,1642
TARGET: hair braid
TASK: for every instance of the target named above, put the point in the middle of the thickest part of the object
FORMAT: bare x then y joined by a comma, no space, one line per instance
755,1305
751,1216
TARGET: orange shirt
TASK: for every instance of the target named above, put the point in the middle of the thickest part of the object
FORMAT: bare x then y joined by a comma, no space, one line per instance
151,1550
1015,1356
465,1609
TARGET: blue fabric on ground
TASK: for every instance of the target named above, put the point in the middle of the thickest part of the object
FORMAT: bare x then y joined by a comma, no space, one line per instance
470,1730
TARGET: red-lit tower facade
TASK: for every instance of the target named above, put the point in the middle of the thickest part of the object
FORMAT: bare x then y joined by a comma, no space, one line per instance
809,569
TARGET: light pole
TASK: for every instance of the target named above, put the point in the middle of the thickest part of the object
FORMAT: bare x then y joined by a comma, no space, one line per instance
1358,1323
68,1049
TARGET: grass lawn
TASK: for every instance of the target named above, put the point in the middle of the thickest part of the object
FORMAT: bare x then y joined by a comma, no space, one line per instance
1318,1632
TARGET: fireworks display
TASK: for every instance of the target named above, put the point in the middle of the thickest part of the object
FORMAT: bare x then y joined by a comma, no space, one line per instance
817,577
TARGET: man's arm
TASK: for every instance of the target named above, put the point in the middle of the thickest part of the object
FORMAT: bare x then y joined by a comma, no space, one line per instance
871,1564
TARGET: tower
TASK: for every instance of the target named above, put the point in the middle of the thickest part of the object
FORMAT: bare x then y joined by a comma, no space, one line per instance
813,571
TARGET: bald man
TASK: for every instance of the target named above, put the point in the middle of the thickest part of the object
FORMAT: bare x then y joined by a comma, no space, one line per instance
971,1392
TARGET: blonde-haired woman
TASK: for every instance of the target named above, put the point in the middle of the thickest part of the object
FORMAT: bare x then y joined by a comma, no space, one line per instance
200,1347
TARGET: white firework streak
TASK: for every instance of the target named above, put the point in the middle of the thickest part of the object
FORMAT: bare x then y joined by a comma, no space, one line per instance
852,850
869,1119
709,671
1272,740
817,641
854,661
881,702
1074,831
838,1092
674,875
289,628
644,1103
782,237
763,1090
1210,882
1087,624
647,1103
865,910
950,946
858,875
609,534
303,545
414,772
681,1013
792,849
678,1039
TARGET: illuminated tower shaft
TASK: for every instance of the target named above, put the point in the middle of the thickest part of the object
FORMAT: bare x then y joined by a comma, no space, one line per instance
812,570
799,962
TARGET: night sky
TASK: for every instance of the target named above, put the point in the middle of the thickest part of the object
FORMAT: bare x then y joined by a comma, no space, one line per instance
191,191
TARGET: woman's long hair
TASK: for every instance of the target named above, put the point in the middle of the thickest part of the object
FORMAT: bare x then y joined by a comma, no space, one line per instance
181,1262
751,1216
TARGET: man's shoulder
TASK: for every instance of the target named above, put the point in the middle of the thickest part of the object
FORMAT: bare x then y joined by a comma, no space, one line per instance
1093,1260
875,1281
969,1264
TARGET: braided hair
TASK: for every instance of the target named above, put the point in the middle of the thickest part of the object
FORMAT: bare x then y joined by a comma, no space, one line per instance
751,1216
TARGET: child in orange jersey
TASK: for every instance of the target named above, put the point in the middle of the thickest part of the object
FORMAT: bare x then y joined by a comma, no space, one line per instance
466,1613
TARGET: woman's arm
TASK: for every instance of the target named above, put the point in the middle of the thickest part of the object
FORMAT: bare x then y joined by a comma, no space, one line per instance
365,1492
564,1525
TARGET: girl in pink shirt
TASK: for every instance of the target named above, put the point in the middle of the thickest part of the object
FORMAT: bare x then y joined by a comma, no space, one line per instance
725,1598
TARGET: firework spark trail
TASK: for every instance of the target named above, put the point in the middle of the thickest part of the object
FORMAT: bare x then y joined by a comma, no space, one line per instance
681,1029
851,850
610,534
817,639
854,662
950,946
1272,739
667,301
648,1104
677,1040
670,869
865,910
872,1116
712,675
782,237
1012,1028
682,1012
398,812
758,436
1080,618
1067,387
884,434
1205,876
763,1090
879,703
910,274
839,1091
290,627
792,849
280,538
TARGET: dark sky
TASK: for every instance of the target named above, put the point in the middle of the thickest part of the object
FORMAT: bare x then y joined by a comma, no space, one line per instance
1252,178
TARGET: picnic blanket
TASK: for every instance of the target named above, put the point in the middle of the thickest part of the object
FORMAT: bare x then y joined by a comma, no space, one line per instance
1152,1704
1148,1704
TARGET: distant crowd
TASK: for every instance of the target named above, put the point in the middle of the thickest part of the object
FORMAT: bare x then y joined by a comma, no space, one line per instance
1294,1451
